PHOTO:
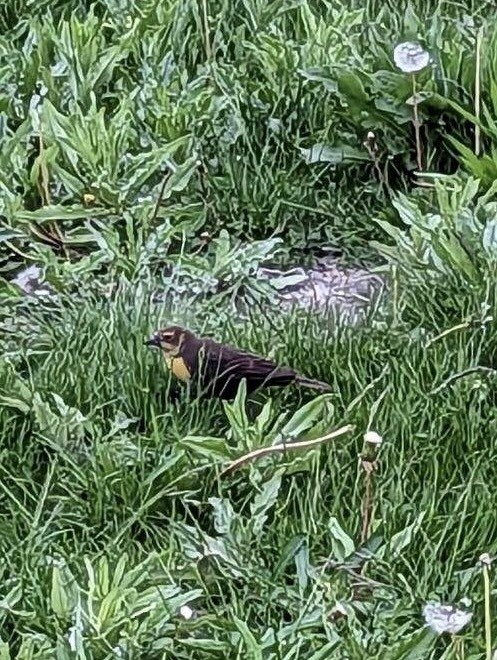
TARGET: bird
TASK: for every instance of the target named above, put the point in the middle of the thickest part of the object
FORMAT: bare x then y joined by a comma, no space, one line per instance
218,369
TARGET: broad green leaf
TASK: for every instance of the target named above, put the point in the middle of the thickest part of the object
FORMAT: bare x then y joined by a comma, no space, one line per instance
64,591
343,546
418,98
181,176
12,402
252,647
4,651
144,166
414,646
223,514
8,602
263,418
407,210
466,114
205,644
324,153
264,501
164,600
320,75
307,416
350,85
10,233
325,652
450,249
60,214
290,550
489,239
394,232
119,571
235,412
210,447
412,23
303,567
106,64
490,120
103,581
401,540
110,610
481,167
136,575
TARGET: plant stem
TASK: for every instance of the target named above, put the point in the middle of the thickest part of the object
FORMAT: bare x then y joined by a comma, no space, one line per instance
417,124
479,38
369,465
458,646
395,294
372,149
462,374
159,198
275,449
485,560
367,507
207,42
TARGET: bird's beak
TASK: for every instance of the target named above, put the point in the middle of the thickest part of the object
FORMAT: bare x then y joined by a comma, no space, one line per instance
153,341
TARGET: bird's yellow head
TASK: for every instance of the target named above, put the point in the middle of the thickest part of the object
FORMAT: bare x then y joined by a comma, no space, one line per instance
170,339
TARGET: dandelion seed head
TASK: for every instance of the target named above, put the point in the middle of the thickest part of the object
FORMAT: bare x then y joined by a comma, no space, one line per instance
445,618
410,57
485,559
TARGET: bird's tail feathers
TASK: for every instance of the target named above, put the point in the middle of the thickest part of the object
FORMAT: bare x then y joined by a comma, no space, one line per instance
313,384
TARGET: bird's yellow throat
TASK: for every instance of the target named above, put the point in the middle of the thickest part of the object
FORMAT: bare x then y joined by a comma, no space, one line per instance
178,367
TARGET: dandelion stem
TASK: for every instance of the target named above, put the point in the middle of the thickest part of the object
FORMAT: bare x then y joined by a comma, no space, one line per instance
372,148
488,622
417,124
458,646
369,465
159,198
207,41
367,508
479,38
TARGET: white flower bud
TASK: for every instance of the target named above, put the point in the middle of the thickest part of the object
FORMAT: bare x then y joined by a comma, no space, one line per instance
186,612
373,438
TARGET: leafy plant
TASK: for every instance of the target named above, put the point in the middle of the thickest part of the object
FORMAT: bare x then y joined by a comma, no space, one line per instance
446,246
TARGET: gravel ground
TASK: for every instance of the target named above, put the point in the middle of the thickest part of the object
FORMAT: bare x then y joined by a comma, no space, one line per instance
328,284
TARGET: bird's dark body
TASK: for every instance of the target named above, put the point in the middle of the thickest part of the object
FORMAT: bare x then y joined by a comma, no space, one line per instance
217,369
220,370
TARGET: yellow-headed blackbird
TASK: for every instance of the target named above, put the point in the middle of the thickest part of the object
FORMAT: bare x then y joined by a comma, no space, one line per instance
218,369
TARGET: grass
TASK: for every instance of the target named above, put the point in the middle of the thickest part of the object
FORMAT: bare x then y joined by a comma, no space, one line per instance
105,100
103,475
165,145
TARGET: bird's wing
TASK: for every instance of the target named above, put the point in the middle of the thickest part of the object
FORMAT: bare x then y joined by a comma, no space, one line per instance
226,361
